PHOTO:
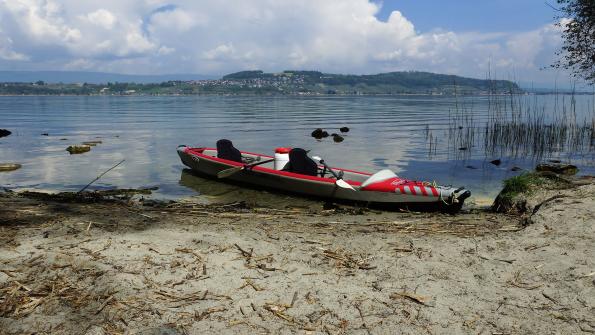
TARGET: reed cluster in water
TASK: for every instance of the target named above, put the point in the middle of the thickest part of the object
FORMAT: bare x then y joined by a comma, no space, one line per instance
519,125
525,129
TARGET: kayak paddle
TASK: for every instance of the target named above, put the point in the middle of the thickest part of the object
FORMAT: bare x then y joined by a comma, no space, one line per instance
339,182
231,171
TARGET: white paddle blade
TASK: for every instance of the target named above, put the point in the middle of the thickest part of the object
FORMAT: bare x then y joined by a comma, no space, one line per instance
343,184
228,172
316,158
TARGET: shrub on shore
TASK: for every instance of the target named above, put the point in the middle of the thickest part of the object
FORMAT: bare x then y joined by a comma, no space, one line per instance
513,197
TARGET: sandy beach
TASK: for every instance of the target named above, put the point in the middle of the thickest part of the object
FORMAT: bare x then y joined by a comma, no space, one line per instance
108,267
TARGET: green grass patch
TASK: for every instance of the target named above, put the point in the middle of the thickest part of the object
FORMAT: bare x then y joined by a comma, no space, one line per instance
523,183
513,196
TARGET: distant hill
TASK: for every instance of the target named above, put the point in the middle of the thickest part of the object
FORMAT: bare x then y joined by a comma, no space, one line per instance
383,83
71,77
247,83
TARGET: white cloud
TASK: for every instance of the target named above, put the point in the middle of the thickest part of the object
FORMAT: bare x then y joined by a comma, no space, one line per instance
201,36
220,53
41,21
79,64
102,18
176,20
6,51
136,43
164,50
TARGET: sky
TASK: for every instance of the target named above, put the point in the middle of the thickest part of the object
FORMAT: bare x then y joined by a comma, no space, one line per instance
505,39
472,15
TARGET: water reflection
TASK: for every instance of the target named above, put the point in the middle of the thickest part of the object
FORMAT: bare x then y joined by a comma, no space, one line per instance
214,191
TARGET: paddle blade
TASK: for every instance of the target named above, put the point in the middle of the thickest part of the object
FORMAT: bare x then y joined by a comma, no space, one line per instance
343,184
229,172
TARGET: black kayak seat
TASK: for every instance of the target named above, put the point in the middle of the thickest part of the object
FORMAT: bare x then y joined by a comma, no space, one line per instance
299,162
226,150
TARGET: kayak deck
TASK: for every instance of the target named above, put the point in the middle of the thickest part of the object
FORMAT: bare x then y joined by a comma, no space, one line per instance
352,177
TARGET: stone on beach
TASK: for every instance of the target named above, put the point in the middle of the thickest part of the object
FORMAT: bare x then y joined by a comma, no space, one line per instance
566,169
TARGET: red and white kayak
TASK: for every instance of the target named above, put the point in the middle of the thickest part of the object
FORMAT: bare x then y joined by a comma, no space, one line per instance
383,188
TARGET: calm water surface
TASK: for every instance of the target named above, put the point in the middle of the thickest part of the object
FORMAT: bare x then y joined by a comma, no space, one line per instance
386,132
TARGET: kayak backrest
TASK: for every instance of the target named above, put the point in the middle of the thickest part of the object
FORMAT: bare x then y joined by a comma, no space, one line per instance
299,162
378,177
226,150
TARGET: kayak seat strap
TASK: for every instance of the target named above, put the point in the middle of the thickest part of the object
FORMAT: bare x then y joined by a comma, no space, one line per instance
323,172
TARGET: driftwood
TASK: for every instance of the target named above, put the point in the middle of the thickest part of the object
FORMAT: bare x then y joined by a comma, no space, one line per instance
101,175
87,197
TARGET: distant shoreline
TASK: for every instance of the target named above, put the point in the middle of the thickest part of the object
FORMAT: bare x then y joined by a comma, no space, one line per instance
284,83
292,95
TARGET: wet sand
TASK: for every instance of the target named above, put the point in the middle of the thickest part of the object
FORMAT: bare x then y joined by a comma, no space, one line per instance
116,268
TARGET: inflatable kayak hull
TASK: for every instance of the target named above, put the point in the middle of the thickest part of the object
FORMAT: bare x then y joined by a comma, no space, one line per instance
391,193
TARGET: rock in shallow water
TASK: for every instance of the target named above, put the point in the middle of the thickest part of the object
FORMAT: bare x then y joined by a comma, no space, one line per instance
5,132
92,143
317,133
5,167
78,149
337,138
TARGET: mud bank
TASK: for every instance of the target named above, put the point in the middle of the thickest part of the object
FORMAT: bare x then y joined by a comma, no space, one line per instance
113,267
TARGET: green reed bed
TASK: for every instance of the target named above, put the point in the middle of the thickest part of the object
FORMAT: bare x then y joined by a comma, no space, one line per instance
523,128
519,125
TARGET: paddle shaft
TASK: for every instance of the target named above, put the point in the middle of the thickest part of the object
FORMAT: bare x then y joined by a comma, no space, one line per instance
231,171
248,166
329,169
339,182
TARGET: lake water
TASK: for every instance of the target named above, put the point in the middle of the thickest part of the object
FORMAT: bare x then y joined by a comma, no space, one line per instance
385,132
